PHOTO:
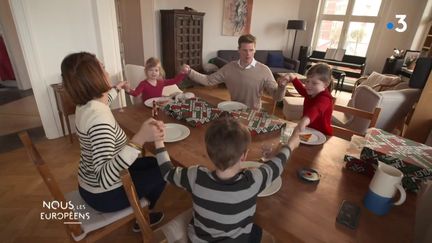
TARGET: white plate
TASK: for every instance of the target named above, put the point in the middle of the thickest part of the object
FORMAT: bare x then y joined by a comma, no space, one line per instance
175,132
149,102
270,190
231,106
317,137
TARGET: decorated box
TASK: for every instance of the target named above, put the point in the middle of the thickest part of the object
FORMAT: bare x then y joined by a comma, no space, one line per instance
412,158
259,122
194,111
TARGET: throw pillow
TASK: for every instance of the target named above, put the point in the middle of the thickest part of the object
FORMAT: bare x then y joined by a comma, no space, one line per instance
275,60
381,82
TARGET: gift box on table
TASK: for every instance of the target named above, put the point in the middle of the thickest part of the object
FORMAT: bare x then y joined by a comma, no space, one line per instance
412,158
259,122
194,111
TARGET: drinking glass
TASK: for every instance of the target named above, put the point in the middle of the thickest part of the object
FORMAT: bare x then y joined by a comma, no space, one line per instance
286,133
266,151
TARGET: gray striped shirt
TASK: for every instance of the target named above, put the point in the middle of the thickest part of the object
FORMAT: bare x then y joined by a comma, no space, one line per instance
223,210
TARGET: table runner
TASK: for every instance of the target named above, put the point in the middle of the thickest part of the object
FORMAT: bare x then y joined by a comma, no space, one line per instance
197,112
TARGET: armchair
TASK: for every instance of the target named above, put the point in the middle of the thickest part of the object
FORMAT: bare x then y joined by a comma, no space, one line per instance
395,106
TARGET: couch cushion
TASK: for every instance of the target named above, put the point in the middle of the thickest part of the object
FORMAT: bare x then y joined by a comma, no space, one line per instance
275,60
280,70
229,55
377,80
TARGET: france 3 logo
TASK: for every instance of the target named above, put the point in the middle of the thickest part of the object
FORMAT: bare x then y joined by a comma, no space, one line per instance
402,24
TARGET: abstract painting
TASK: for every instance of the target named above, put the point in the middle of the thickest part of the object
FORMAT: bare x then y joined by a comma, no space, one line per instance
237,17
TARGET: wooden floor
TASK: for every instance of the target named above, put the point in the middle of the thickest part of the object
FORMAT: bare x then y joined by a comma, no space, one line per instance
22,191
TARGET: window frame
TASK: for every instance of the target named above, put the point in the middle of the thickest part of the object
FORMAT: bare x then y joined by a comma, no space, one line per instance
346,19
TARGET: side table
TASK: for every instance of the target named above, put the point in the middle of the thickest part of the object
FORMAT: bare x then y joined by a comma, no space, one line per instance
65,107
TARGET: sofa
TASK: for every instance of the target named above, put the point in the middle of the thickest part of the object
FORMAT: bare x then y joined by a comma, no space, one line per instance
274,59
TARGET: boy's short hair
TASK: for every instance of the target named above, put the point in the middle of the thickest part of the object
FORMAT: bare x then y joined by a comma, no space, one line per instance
248,38
83,77
226,140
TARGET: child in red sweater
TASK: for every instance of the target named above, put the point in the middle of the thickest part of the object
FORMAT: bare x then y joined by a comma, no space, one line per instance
155,82
318,102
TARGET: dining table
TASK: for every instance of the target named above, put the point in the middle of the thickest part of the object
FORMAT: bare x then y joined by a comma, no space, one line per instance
300,211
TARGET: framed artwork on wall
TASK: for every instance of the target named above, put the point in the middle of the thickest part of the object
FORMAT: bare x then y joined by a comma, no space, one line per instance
237,16
410,58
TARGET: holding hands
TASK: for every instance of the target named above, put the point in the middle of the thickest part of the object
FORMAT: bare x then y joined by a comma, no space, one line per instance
185,69
284,80
123,85
150,130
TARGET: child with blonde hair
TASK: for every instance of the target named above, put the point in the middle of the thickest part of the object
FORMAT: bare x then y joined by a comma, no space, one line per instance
154,83
318,102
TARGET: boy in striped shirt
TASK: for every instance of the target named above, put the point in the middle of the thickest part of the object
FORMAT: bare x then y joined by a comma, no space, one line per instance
224,200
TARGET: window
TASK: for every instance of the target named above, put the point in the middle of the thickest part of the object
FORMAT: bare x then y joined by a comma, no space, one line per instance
346,24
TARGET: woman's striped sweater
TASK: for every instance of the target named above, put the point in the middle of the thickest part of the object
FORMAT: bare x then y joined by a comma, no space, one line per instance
104,152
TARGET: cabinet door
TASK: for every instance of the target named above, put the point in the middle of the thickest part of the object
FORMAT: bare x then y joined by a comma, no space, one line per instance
195,41
189,40
182,34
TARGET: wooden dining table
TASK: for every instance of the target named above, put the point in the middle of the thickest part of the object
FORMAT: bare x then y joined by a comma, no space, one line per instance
299,211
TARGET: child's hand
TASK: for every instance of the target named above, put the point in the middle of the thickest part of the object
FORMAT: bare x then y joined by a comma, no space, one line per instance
284,80
150,130
160,126
120,85
294,140
185,69
127,87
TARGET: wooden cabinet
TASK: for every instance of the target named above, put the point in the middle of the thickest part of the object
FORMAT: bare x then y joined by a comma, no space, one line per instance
65,107
182,33
426,49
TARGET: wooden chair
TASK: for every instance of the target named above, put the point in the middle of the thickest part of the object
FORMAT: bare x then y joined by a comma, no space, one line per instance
271,103
347,133
99,224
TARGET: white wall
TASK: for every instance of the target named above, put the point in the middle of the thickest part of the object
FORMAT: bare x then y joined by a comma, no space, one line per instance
50,30
269,19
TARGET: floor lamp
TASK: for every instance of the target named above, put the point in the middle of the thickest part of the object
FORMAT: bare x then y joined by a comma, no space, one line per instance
295,25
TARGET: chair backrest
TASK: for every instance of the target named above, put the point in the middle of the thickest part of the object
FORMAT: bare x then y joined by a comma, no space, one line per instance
346,132
48,178
134,74
73,228
366,99
394,104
